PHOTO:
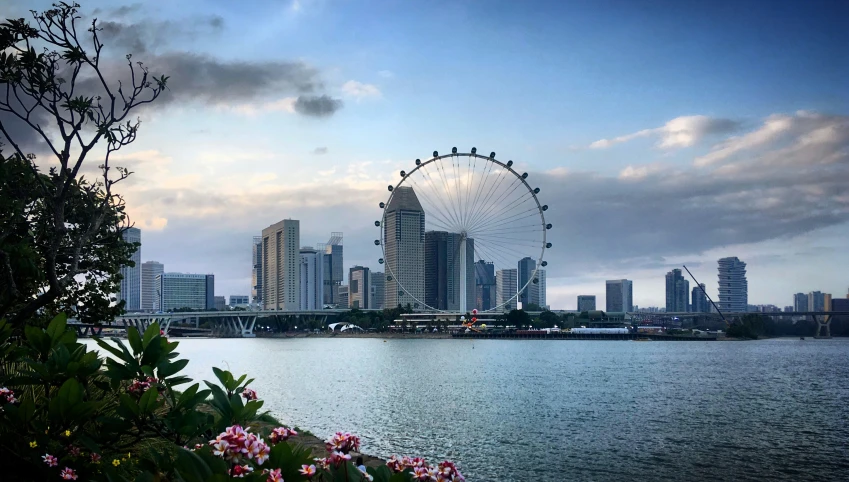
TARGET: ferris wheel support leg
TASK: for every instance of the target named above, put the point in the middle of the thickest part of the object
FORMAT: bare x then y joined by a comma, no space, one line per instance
463,274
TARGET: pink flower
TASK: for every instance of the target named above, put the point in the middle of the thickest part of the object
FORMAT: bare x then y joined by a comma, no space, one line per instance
74,450
219,446
335,458
322,462
417,462
138,387
95,458
281,434
240,471
307,470
50,460
395,465
68,474
249,394
420,473
263,454
197,447
343,442
8,394
275,476
448,473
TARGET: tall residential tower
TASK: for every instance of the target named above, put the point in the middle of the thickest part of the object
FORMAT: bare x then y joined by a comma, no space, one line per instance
149,297
404,243
131,275
733,287
280,271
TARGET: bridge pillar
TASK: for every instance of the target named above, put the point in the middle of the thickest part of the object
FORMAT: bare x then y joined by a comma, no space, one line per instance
823,324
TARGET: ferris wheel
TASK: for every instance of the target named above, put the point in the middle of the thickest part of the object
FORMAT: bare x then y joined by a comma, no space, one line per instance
462,231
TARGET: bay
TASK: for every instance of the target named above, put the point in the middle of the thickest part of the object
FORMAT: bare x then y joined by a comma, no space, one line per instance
563,410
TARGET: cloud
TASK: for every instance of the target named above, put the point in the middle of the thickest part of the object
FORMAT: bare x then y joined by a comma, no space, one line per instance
317,106
386,74
359,90
319,151
679,132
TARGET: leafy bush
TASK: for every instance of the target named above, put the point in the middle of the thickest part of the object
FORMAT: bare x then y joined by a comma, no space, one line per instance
68,413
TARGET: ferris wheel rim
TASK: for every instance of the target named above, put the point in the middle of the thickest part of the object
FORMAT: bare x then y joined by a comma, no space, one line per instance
523,179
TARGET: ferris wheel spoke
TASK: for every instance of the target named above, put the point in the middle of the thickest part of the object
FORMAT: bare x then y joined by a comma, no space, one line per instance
470,180
504,220
504,213
481,185
444,219
457,174
509,243
499,180
494,206
505,229
439,196
441,170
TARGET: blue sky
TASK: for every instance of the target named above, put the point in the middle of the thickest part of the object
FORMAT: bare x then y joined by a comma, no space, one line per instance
649,122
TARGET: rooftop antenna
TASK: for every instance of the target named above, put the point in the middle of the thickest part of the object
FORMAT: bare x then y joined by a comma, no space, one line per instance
706,295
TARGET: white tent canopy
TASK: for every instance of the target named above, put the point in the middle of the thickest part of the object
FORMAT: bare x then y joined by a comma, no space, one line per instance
345,326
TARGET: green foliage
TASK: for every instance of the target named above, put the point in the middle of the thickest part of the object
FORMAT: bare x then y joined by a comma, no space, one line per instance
751,326
518,318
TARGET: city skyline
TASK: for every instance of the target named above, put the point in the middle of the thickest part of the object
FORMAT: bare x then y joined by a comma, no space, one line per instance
656,177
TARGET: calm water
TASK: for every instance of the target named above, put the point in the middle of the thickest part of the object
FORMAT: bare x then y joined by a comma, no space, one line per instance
564,410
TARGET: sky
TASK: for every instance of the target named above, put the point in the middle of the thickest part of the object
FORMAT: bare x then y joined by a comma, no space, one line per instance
661,133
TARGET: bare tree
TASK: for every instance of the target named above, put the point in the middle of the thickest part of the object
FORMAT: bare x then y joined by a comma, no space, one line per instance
53,80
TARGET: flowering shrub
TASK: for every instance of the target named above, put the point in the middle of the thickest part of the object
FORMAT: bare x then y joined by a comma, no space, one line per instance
67,413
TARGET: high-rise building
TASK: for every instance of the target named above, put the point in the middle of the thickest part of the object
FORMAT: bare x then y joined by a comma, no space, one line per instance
334,270
816,301
131,275
343,295
219,303
149,271
442,271
586,302
826,301
485,289
733,287
376,285
620,295
281,285
677,292
311,273
185,290
700,302
256,280
239,300
403,244
506,289
358,287
541,298
529,294
800,302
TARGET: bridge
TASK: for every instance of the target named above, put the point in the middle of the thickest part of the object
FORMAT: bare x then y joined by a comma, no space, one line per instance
242,323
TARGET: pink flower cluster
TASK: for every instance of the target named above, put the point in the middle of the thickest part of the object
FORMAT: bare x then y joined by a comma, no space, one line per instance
68,474
140,386
343,442
235,442
281,434
444,472
249,394
240,471
274,475
50,460
7,395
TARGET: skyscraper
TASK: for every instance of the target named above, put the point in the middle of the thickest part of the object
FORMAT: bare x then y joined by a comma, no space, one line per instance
800,302
185,290
700,301
506,289
358,287
620,295
485,289
541,298
219,303
376,285
280,271
256,281
442,271
311,273
816,301
403,243
334,270
149,271
677,292
529,294
131,275
733,287
826,301
586,302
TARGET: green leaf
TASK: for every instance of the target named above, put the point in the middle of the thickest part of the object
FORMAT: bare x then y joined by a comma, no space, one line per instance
135,340
57,327
26,410
191,467
130,407
147,403
149,334
225,377
168,369
380,474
